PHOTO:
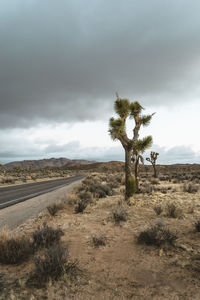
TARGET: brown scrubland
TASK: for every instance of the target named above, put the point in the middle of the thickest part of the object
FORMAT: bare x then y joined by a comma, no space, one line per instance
92,245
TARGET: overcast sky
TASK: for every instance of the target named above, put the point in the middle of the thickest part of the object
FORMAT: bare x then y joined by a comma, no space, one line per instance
61,63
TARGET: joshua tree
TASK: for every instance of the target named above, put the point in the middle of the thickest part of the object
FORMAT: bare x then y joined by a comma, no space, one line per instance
139,148
152,159
117,130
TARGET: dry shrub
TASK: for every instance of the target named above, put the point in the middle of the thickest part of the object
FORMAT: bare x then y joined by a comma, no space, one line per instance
101,190
54,208
86,196
172,211
10,180
45,236
99,239
119,214
156,236
14,250
80,206
70,199
146,188
51,264
190,188
94,186
158,209
154,181
197,226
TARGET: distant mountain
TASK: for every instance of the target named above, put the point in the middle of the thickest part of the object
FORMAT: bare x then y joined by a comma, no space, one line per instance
46,163
116,166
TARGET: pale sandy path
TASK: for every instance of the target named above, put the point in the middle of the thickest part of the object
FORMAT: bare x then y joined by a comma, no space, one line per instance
17,214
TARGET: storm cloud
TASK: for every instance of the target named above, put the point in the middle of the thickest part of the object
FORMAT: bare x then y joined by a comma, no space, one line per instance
62,61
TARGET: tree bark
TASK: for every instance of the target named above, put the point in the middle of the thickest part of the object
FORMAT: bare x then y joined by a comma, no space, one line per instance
136,173
155,172
128,173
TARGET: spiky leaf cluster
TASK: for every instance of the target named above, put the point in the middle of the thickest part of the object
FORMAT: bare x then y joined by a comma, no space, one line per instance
126,109
117,128
122,108
135,109
145,120
142,144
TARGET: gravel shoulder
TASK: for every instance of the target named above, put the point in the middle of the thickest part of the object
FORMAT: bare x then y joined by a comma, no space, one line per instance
15,215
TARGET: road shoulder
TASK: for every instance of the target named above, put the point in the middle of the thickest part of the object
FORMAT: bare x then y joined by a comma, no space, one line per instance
15,215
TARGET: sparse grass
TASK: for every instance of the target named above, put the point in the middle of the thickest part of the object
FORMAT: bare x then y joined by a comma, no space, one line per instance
54,208
119,214
14,250
99,239
156,236
45,236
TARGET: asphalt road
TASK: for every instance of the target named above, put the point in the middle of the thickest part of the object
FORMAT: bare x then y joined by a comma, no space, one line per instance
11,195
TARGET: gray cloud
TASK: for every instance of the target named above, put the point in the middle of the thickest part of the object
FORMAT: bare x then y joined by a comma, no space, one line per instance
174,155
64,60
73,150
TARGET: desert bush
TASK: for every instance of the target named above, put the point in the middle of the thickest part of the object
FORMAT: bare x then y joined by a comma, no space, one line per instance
146,188
119,178
163,178
154,181
197,226
190,188
8,180
119,214
80,206
51,264
86,196
54,208
158,209
14,250
69,199
113,184
45,236
156,236
172,211
100,190
99,239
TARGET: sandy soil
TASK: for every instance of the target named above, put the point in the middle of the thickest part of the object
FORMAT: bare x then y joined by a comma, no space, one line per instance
122,269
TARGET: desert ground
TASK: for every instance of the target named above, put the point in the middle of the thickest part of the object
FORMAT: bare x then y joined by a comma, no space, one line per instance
91,245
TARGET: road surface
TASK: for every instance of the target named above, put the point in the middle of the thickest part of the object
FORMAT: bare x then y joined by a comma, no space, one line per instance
11,195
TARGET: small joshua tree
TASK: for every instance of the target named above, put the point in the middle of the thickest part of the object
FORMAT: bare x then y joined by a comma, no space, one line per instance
117,130
152,159
139,148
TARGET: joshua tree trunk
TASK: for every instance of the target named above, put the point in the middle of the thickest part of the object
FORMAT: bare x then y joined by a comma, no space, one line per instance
128,173
136,174
155,171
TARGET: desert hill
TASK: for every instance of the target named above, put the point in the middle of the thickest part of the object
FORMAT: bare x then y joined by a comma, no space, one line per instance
97,166
46,163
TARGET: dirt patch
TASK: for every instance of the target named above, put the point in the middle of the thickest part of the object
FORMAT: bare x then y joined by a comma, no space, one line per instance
122,268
